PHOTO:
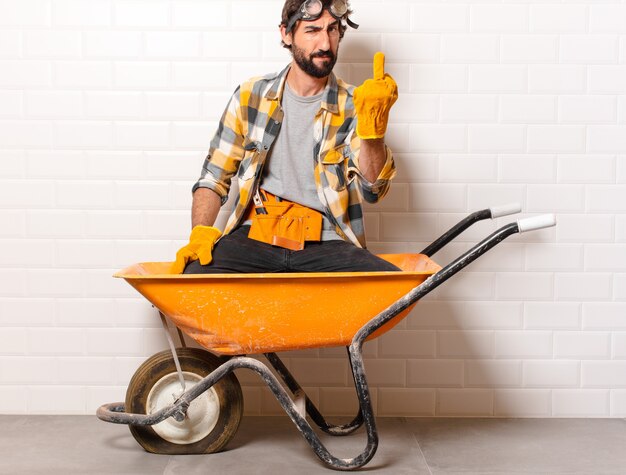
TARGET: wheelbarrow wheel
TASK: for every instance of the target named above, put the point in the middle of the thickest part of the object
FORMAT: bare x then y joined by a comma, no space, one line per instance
212,418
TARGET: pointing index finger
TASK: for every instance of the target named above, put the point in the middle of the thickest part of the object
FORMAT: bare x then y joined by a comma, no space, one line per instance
379,65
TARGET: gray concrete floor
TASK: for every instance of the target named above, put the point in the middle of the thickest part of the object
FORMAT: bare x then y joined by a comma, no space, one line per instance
67,445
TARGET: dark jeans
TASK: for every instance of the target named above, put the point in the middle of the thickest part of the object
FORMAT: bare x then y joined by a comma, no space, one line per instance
236,253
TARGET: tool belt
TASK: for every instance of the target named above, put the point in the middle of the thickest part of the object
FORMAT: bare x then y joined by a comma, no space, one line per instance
282,223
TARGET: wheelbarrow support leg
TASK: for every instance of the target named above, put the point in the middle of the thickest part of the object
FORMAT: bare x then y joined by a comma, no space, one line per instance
311,409
302,424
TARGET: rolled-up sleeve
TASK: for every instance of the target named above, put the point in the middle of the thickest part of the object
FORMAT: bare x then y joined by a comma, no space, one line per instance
373,191
225,152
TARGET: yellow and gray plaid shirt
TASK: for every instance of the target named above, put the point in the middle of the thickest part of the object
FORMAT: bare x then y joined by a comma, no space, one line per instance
247,131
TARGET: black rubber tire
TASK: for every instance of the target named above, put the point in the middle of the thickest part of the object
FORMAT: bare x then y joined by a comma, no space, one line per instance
195,361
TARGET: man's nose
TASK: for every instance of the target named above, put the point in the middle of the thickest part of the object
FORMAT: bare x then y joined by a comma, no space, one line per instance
324,44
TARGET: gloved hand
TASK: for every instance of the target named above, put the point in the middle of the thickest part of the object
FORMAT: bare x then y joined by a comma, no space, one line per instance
200,246
373,100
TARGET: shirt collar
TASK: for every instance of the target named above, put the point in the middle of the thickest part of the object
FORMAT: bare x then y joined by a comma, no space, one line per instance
330,98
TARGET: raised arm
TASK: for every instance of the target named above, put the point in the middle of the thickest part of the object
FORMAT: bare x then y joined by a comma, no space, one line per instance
372,102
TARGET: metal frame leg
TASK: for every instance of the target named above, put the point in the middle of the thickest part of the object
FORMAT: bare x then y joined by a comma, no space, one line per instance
311,409
115,412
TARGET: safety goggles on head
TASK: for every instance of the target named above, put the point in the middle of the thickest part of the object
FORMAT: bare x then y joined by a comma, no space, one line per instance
313,9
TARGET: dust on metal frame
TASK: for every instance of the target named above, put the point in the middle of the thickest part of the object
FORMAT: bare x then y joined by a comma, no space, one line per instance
298,405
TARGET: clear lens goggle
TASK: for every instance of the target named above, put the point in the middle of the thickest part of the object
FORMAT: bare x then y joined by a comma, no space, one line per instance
313,9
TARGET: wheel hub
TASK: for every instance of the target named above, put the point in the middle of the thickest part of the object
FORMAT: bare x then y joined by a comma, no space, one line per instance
202,414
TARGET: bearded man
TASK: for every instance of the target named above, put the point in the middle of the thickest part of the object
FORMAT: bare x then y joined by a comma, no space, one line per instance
305,148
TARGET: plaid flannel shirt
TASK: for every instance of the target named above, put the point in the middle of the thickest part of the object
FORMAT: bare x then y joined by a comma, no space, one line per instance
247,131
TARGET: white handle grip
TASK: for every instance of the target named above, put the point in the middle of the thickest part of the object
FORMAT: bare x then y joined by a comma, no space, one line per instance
505,210
536,222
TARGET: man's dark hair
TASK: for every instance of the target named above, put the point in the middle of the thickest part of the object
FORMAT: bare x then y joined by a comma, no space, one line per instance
292,6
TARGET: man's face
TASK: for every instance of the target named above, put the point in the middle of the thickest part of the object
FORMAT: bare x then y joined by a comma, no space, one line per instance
315,44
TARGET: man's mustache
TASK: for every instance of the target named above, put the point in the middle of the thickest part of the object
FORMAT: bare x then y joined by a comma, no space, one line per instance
322,54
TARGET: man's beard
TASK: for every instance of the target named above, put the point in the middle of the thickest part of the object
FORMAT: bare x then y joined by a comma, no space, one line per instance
308,66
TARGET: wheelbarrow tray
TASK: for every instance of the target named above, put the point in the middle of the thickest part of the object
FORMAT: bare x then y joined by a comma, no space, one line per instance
234,314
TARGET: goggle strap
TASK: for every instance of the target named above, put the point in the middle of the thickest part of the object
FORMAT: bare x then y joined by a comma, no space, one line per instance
351,24
291,23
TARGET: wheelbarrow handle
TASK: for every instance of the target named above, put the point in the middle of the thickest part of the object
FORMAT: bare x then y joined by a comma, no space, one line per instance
489,213
505,210
536,222
458,264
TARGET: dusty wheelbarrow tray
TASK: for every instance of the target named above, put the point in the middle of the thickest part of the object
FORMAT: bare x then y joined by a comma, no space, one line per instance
188,400
235,314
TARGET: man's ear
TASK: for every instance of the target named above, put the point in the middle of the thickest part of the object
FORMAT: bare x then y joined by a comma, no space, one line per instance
287,37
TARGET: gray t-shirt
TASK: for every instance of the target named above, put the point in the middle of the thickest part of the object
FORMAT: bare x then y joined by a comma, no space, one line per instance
288,172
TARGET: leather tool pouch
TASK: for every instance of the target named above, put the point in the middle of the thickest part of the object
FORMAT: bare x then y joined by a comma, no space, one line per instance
285,224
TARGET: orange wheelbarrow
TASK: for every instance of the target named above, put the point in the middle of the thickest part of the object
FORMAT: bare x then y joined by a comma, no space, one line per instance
188,400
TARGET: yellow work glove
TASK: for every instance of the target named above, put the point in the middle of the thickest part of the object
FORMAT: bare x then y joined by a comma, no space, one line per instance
373,100
200,246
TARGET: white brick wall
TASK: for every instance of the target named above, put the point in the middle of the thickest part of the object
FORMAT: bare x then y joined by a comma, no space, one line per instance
107,108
